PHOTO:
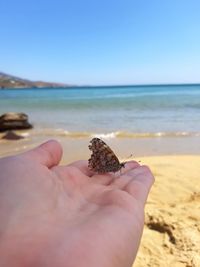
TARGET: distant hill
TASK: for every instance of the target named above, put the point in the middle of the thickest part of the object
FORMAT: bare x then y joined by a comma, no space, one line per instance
10,81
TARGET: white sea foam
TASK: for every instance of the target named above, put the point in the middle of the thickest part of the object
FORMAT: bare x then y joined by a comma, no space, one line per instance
25,134
109,135
106,135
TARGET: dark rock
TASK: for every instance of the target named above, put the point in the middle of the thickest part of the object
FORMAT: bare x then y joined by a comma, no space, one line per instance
14,121
10,135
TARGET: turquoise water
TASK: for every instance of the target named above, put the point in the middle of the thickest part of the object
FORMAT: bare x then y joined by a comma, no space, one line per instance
122,111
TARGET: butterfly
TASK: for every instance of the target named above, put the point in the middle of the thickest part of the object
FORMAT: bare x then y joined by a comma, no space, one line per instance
103,159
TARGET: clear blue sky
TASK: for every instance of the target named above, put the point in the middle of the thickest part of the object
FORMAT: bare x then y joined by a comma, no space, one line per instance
101,41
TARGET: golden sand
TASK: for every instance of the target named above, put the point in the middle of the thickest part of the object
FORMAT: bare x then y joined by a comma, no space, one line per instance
171,235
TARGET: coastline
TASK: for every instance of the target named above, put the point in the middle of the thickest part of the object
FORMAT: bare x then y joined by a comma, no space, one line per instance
75,145
171,233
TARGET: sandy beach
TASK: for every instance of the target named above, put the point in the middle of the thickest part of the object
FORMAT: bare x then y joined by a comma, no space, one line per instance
172,231
126,72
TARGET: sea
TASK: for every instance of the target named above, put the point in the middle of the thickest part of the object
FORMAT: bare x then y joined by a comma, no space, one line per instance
109,112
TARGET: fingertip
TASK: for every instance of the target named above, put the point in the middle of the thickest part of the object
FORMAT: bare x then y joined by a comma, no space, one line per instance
54,152
52,144
141,183
146,169
133,164
129,165
48,153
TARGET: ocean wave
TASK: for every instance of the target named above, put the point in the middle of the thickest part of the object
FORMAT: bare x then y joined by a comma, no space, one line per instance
112,135
106,135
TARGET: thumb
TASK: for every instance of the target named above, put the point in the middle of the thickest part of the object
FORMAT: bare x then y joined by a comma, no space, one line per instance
48,154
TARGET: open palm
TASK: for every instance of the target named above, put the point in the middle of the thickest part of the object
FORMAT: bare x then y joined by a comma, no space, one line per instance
67,216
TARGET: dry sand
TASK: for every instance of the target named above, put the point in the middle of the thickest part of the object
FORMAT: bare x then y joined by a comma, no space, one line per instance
172,229
171,235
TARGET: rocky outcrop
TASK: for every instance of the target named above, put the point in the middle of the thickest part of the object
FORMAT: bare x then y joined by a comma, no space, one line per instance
14,121
10,135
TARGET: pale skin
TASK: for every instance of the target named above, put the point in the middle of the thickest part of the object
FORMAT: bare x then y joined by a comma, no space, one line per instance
67,216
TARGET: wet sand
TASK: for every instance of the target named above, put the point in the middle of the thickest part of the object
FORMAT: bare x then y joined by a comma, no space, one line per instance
76,148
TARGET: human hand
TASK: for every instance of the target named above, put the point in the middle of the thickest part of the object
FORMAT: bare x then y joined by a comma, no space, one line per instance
66,216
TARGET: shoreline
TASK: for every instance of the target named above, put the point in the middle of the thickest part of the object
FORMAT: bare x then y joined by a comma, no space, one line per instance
76,148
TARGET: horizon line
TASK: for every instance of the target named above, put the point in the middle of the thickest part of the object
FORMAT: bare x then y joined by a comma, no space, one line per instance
65,85
138,85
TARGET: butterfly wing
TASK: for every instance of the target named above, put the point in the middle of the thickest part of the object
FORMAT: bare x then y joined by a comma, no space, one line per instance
103,159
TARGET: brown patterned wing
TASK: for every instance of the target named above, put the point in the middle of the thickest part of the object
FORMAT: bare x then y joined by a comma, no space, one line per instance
103,159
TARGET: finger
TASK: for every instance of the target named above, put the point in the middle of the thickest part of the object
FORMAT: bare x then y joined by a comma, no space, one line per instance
121,181
129,166
82,165
103,179
111,178
48,154
140,184
125,177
